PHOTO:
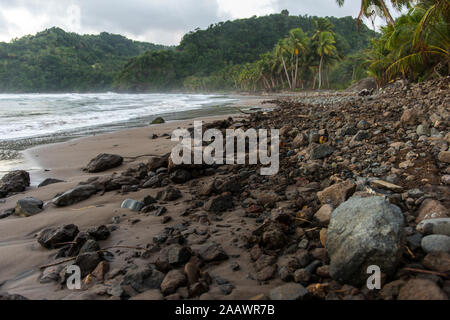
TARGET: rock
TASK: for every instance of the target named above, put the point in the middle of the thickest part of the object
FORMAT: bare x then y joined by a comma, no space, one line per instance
323,236
99,233
219,204
361,135
409,117
15,181
101,270
170,194
172,281
437,261
363,125
434,226
210,251
192,272
154,163
444,156
49,181
266,273
289,291
267,199
87,262
337,193
431,209
421,289
386,185
321,151
391,290
149,295
364,232
273,239
178,255
446,179
89,246
11,297
302,276
323,216
158,120
50,238
132,205
180,176
6,213
143,278
75,195
436,243
104,162
300,140
28,207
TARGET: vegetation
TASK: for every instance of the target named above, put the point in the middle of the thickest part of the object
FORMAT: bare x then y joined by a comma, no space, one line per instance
55,61
273,52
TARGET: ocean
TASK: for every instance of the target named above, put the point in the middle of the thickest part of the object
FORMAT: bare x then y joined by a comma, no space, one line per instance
28,120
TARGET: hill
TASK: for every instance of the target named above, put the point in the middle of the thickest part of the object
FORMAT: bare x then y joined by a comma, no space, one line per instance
57,61
205,52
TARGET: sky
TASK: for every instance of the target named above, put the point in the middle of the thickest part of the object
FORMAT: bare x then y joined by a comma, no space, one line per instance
158,21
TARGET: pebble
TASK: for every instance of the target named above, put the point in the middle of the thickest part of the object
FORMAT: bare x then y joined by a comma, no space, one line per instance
436,243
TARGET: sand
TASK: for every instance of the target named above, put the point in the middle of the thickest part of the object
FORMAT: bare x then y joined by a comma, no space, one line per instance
21,256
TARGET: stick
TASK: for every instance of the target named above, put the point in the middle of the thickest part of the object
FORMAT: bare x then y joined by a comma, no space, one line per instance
427,272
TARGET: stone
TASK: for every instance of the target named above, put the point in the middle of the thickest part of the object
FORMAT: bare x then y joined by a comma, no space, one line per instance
444,156
421,289
104,162
437,261
172,281
178,255
192,272
75,195
273,239
321,151
170,194
50,238
302,276
15,181
180,176
289,291
386,185
364,232
337,193
323,216
149,295
11,297
391,290
132,205
87,262
436,243
7,212
434,226
219,203
363,125
210,252
158,120
409,117
101,270
29,206
89,246
431,209
323,236
446,179
266,273
99,233
143,278
300,140
155,163
361,135
48,182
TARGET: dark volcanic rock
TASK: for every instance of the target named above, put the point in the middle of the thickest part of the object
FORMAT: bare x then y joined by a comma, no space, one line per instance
170,194
50,238
289,291
104,162
15,181
143,278
219,204
99,233
364,232
87,262
210,252
7,296
75,195
49,181
28,206
321,151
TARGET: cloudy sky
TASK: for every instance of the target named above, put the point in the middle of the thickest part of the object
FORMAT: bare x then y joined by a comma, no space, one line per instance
158,21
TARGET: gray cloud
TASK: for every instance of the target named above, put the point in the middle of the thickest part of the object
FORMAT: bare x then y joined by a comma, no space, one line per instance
159,21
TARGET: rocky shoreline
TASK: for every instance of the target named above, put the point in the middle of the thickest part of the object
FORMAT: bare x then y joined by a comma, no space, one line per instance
364,181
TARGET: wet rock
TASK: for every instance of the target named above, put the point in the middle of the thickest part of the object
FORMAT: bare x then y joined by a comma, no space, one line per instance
323,216
210,252
444,156
154,163
431,209
436,243
158,120
90,246
99,233
437,261
75,195
219,204
132,205
49,181
321,151
6,213
192,272
143,278
29,206
289,291
434,226
104,162
101,270
354,241
87,262
337,193
421,289
180,176
178,255
266,273
170,194
15,181
172,281
50,238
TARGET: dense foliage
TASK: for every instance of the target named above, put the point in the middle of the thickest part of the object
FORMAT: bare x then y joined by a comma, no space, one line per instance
219,57
54,61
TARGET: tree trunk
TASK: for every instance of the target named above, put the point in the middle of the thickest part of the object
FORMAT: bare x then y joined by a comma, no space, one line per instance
320,72
296,71
287,74
387,14
328,81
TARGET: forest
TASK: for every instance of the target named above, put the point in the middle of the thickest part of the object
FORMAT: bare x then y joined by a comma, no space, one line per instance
56,61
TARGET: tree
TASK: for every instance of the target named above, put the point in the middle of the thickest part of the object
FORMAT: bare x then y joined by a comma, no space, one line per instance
325,49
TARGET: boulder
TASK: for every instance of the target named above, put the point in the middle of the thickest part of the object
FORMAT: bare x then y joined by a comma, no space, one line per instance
143,278
158,120
337,193
15,181
210,251
154,163
437,261
170,194
434,226
50,238
75,195
172,281
323,216
28,207
289,291
436,243
219,204
104,162
321,151
421,289
87,262
431,209
48,182
364,232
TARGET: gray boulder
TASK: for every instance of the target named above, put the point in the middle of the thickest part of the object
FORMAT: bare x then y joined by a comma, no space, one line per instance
104,162
28,206
434,226
321,151
436,243
75,195
49,181
15,181
364,232
143,278
51,238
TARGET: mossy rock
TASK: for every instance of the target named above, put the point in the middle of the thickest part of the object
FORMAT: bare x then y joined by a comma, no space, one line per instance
158,120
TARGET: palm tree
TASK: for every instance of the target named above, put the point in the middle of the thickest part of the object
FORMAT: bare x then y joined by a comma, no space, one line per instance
325,49
281,49
298,44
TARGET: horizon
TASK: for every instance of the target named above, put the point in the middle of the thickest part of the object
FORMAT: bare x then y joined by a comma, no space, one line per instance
18,21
